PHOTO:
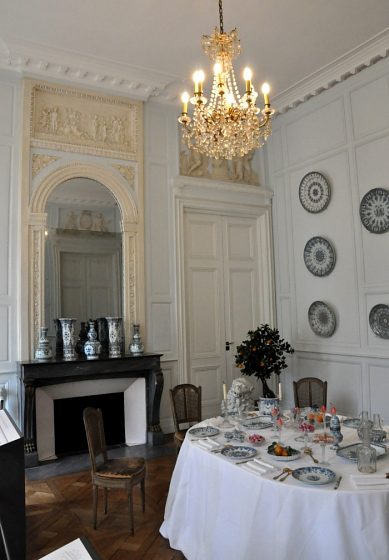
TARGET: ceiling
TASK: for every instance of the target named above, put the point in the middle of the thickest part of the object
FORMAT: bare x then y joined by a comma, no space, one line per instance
151,47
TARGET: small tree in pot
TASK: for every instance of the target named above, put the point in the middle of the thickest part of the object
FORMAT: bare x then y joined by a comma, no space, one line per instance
263,353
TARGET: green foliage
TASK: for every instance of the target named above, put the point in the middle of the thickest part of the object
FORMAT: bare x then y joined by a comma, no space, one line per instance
263,353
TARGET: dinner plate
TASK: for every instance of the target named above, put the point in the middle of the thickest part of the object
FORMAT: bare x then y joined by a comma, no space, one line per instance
239,452
350,452
354,423
204,431
259,423
296,455
314,475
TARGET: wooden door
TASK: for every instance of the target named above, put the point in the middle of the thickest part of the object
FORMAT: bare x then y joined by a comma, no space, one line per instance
221,297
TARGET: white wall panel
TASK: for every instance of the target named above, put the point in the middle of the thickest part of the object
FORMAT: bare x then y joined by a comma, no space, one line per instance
161,327
370,108
158,226
157,135
5,177
378,379
373,171
316,132
6,109
4,329
275,149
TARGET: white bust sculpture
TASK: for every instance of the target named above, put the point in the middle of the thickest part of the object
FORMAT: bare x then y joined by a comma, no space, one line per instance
239,396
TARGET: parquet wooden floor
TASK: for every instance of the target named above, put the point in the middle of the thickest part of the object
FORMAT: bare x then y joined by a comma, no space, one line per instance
59,510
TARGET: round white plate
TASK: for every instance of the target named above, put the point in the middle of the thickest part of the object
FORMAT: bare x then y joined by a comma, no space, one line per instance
204,431
314,475
239,452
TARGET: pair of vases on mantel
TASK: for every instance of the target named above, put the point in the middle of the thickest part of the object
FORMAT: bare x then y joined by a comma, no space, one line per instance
92,347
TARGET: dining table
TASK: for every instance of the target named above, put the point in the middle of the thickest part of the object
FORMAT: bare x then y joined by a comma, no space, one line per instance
223,508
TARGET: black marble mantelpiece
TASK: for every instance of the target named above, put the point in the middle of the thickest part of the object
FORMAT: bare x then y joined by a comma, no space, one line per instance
35,374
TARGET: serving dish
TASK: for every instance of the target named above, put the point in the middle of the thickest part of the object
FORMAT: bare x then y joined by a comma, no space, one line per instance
294,453
314,475
238,452
259,423
350,452
204,431
354,422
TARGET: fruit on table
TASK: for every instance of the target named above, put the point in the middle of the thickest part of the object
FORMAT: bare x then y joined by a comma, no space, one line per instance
281,450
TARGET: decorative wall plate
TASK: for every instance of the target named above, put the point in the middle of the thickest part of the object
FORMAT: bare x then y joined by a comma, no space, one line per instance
374,210
314,192
321,319
379,320
319,256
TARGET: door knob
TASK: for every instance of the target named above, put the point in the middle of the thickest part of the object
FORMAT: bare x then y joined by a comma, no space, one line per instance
228,345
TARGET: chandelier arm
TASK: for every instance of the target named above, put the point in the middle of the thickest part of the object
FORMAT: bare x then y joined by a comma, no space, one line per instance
221,16
264,123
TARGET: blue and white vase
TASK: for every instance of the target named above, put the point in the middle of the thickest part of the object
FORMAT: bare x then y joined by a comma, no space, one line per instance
43,350
69,352
115,336
136,346
266,404
92,346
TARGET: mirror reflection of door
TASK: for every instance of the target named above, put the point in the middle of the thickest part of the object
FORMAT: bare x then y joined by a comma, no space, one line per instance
83,253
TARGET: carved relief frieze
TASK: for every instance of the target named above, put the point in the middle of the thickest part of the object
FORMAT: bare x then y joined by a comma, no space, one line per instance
238,170
84,122
128,172
40,161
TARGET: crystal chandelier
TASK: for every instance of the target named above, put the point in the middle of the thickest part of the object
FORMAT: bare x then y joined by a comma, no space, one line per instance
229,125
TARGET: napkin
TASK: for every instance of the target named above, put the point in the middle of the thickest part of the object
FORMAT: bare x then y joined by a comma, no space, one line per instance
208,443
214,422
264,464
254,467
370,480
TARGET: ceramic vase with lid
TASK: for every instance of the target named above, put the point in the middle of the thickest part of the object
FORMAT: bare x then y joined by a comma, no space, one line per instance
266,405
69,352
115,336
43,350
92,346
136,346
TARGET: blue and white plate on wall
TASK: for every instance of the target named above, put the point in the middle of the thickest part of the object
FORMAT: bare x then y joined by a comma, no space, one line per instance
204,431
314,475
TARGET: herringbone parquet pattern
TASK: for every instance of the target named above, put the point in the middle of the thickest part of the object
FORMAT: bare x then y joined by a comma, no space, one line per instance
59,510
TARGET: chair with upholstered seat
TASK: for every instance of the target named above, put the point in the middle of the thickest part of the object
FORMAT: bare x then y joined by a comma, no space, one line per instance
185,401
107,473
310,391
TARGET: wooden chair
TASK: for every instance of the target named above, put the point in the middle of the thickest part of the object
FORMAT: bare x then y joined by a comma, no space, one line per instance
310,391
185,401
111,473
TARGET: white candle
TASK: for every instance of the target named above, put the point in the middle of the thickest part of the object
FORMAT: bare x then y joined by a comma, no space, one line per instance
224,391
280,391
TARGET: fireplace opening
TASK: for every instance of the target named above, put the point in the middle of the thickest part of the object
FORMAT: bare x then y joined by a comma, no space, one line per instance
69,428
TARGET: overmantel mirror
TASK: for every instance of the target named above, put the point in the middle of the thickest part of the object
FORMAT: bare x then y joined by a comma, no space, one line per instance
83,261
85,246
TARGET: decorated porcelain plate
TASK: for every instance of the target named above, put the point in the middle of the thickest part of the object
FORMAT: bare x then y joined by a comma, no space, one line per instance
239,452
319,256
374,210
314,475
352,423
379,320
257,423
350,452
321,319
204,431
314,192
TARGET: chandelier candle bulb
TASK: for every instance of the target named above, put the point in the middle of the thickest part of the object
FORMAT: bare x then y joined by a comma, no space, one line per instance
247,75
280,391
266,90
224,391
185,99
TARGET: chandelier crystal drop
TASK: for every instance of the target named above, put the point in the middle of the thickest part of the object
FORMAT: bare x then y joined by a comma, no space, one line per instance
228,125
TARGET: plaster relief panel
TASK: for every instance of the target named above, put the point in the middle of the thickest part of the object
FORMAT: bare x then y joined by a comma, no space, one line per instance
40,161
80,121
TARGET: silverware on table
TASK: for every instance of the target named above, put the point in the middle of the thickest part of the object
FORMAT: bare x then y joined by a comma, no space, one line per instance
284,471
308,451
243,461
285,476
337,483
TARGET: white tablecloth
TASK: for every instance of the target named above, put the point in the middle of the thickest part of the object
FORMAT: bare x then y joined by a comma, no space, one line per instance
217,510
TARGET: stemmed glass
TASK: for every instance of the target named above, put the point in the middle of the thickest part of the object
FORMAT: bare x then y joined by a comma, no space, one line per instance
275,411
306,427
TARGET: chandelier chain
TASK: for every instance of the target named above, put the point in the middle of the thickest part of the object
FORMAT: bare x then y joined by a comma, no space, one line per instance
221,16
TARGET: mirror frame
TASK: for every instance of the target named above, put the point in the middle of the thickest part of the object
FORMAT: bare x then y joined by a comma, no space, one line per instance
132,245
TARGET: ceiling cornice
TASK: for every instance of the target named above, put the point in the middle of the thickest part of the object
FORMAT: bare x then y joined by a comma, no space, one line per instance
38,61
350,63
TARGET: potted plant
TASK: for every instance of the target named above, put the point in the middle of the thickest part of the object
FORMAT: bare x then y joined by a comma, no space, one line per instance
263,353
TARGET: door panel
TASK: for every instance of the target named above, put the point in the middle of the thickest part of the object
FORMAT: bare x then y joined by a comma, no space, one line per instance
222,303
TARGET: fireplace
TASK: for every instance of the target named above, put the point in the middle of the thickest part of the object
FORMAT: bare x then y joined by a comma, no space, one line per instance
69,432
139,378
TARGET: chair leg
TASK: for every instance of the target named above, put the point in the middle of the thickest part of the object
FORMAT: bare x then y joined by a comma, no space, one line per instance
143,493
105,501
131,511
95,498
